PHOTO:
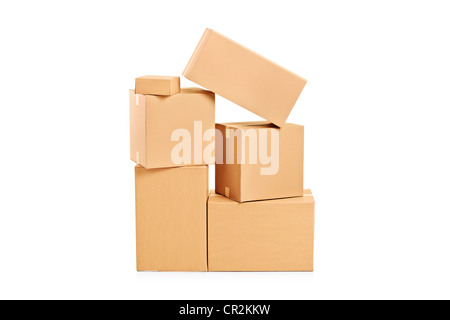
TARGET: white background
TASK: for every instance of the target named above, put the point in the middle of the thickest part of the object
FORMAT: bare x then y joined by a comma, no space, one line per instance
376,117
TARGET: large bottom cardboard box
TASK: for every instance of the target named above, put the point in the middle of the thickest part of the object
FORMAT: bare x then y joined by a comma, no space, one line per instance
171,218
271,235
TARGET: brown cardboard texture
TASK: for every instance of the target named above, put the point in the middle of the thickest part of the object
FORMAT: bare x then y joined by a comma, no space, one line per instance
171,131
244,77
259,161
171,218
272,235
157,85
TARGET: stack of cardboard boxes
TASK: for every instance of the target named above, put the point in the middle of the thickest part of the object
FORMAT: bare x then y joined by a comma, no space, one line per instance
259,218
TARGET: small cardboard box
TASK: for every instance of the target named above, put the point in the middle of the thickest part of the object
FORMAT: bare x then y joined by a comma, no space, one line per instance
272,235
171,131
259,161
244,77
157,85
171,218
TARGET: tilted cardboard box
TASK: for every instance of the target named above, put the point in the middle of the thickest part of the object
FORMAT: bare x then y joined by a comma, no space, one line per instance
171,218
258,161
272,235
170,131
157,85
238,74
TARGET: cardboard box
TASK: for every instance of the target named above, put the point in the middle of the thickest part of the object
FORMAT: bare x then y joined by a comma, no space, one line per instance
258,161
272,235
238,74
157,85
171,218
170,131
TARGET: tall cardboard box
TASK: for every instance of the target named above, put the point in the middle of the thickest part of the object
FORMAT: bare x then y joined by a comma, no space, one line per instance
259,161
171,218
170,131
246,78
272,235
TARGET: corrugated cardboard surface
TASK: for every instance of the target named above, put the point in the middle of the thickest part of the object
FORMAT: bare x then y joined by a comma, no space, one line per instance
138,148
157,85
244,182
156,117
227,176
272,235
244,77
171,218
